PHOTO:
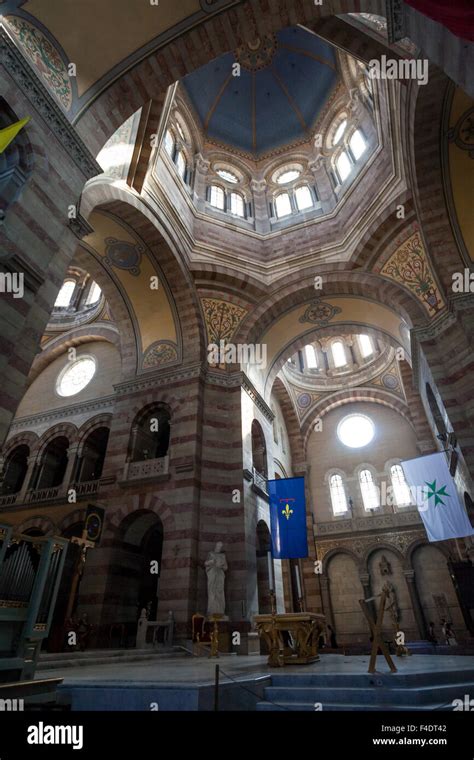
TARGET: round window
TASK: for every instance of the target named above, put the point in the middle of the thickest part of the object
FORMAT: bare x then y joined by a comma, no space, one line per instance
76,376
356,431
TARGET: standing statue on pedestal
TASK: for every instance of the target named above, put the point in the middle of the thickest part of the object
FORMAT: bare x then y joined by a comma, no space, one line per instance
216,566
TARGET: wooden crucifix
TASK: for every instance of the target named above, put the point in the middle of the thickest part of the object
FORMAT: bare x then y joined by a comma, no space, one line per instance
376,628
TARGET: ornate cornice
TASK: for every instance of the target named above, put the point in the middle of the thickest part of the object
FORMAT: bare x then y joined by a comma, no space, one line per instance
25,77
367,524
65,411
159,378
360,546
258,400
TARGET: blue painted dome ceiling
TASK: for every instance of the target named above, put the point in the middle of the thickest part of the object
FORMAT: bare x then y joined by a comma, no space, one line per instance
284,82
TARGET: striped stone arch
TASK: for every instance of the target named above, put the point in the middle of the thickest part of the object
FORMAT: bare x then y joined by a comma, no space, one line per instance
353,396
66,429
376,547
159,237
292,425
217,35
100,420
419,542
385,228
297,289
27,438
342,550
75,337
134,505
78,516
45,524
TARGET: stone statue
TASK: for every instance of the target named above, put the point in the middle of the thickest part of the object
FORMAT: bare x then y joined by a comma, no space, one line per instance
391,604
216,566
385,566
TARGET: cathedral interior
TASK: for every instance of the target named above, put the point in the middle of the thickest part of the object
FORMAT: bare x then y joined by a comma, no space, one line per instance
244,257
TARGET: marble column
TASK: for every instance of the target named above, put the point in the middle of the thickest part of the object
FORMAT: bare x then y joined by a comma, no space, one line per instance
201,166
324,186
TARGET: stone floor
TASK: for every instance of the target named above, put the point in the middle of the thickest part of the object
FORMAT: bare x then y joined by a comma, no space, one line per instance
201,670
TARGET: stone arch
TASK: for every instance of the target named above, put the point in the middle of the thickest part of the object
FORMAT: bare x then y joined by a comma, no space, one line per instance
100,420
166,251
383,545
344,589
77,516
341,550
43,523
66,429
352,396
292,424
219,34
74,337
148,502
28,438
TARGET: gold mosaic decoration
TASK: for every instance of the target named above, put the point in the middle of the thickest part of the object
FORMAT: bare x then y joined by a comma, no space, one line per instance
409,266
222,319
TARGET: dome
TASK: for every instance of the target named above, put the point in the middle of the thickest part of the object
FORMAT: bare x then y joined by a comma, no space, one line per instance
266,103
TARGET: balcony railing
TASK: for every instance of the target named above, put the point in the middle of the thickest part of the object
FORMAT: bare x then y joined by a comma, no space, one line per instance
42,494
6,500
260,483
87,488
148,469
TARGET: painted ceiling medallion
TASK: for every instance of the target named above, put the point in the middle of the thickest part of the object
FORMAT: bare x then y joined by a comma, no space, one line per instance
319,312
158,354
304,400
257,54
123,255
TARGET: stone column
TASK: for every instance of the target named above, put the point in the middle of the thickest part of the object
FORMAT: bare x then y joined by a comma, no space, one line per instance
326,600
71,462
260,204
324,186
32,461
200,181
415,603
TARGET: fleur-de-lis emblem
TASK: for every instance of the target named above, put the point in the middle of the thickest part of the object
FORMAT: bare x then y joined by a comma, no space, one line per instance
287,512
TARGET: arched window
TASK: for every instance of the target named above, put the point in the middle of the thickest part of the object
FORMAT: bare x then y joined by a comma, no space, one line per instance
287,176
151,435
259,449
93,455
310,357
169,143
228,176
338,495
339,132
94,294
181,164
76,376
401,491
366,347
53,463
357,144
369,491
303,196
16,465
282,205
338,354
217,198
343,166
237,204
65,294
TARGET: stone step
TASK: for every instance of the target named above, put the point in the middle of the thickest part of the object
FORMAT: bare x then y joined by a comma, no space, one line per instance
386,680
342,706
423,695
103,657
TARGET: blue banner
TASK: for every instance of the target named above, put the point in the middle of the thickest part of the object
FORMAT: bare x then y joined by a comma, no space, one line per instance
288,518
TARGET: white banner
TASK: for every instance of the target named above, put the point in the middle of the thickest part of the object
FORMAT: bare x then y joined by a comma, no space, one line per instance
435,494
